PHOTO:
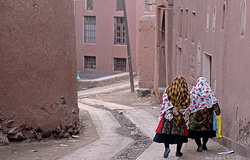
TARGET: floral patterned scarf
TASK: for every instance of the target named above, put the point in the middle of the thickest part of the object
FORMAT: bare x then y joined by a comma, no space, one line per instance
201,96
176,96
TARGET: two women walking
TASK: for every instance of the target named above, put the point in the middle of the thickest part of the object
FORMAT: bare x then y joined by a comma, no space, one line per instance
180,107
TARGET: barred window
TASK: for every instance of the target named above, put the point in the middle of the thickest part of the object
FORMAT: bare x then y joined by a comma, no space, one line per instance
119,31
89,29
119,64
180,22
89,5
243,18
119,5
89,62
223,16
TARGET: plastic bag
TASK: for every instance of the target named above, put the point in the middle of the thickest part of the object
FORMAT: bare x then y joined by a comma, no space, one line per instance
214,121
219,127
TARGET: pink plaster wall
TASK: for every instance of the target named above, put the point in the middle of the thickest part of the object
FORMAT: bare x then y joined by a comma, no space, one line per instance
104,48
230,59
38,69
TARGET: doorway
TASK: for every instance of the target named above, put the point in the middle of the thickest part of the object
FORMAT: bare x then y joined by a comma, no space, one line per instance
207,67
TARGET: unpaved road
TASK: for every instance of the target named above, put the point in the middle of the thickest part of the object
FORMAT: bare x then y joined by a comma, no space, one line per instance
116,124
56,149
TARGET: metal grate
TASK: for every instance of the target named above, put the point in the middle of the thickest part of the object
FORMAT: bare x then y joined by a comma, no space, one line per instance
89,29
89,62
147,7
119,64
89,5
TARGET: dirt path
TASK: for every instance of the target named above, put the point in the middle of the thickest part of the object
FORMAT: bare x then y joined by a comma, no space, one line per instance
109,142
116,124
48,149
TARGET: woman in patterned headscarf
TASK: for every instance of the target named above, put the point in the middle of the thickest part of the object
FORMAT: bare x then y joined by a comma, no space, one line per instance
173,116
202,104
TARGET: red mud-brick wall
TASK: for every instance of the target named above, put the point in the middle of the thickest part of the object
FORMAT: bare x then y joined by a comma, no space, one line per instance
38,95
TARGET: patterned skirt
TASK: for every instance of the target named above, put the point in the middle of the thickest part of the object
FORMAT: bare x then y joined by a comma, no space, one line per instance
201,123
170,134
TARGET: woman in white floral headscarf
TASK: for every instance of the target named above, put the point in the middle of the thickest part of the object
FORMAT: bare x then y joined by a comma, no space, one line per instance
202,104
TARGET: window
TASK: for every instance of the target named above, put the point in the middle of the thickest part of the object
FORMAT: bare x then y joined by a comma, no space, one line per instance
207,20
163,29
193,27
207,67
89,5
89,29
223,16
243,19
214,20
119,31
119,64
186,24
119,5
147,7
180,22
89,62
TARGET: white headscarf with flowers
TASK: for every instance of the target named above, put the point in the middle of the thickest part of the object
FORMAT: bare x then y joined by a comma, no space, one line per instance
166,106
201,96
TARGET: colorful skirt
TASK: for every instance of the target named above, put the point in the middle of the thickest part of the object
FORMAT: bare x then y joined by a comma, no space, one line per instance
168,132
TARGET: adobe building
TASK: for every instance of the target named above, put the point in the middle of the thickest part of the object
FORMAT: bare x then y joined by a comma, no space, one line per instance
38,70
211,39
101,35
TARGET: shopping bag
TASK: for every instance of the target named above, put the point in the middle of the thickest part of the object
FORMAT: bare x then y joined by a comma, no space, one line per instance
219,127
214,121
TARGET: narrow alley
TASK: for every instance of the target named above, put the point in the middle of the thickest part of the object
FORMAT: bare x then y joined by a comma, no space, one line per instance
49,49
143,112
116,124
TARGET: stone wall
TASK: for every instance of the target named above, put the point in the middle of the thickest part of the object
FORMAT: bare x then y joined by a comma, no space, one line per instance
38,70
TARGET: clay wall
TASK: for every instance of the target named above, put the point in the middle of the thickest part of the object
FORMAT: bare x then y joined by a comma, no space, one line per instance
38,69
